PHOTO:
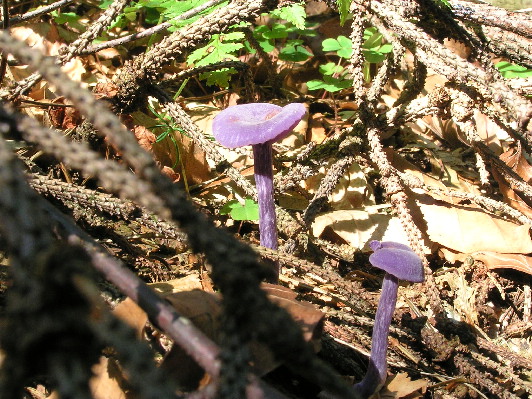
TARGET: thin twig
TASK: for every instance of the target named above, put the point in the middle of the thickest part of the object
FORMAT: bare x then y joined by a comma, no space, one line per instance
40,11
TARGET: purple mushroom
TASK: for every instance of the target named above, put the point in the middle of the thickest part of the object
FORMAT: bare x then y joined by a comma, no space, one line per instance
400,263
259,125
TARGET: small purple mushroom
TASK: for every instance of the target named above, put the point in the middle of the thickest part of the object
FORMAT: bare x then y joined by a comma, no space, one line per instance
259,125
400,263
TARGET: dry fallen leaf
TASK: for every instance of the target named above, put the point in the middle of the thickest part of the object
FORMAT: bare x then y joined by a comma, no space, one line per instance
470,230
358,228
132,314
494,260
515,159
108,380
401,386
64,117
204,310
351,192
464,294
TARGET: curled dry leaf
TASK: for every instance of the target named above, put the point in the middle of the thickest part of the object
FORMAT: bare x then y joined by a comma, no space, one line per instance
64,117
494,260
471,230
357,228
515,159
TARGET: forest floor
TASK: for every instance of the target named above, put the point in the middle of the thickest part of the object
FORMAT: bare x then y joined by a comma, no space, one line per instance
417,130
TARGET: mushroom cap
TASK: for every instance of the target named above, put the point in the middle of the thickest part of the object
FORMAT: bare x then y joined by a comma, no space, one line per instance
398,260
255,123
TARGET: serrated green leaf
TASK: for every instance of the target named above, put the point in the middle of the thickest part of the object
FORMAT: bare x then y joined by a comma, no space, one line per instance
294,13
216,51
343,8
220,78
232,36
237,211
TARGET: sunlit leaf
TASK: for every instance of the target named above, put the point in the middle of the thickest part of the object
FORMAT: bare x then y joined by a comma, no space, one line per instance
237,211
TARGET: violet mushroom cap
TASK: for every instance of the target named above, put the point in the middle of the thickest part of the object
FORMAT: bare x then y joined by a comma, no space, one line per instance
259,125
399,262
255,123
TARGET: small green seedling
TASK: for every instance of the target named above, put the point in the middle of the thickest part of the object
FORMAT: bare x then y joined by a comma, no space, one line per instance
335,77
168,131
238,211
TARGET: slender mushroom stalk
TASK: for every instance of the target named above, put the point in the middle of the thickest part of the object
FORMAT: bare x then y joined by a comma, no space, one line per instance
262,155
399,262
259,125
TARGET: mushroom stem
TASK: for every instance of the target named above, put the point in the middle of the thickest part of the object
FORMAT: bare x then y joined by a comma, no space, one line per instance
377,368
262,154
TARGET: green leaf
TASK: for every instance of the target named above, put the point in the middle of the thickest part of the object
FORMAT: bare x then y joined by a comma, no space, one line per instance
373,57
277,31
445,3
331,68
386,48
70,18
105,4
302,32
331,45
267,45
294,51
509,70
237,211
342,45
329,84
220,78
375,40
368,32
343,8
294,13
220,48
